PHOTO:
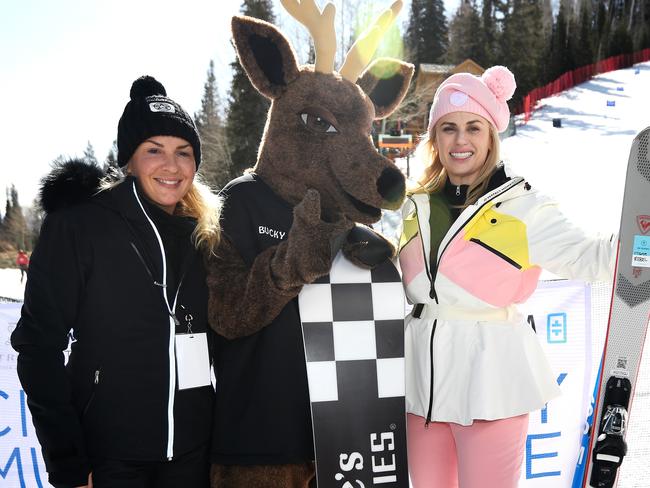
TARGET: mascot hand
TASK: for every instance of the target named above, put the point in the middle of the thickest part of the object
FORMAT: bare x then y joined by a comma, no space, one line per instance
311,244
366,248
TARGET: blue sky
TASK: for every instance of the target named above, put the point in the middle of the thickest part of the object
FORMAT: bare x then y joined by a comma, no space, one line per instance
66,67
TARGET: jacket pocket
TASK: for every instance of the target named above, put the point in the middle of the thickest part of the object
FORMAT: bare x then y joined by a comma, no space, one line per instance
93,391
485,246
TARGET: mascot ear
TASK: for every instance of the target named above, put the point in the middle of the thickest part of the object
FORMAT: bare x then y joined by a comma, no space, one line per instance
265,55
386,81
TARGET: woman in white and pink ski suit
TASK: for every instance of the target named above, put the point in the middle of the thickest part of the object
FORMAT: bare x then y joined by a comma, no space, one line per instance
473,245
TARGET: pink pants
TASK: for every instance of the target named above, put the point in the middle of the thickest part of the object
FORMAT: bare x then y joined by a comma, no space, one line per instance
486,454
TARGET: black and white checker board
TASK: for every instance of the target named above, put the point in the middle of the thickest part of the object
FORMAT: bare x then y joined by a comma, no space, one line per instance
353,330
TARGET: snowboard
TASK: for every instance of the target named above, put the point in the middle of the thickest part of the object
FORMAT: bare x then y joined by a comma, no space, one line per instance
628,322
353,331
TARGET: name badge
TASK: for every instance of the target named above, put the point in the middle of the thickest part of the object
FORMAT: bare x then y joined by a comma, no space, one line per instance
192,360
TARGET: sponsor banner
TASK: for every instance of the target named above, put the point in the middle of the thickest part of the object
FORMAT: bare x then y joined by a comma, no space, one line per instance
560,311
21,461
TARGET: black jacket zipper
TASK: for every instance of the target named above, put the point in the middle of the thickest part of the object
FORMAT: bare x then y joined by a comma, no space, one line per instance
146,267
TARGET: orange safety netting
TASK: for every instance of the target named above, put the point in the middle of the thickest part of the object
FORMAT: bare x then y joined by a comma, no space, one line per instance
577,76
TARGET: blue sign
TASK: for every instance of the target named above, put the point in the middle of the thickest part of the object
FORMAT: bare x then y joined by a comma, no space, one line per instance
556,328
641,251
611,103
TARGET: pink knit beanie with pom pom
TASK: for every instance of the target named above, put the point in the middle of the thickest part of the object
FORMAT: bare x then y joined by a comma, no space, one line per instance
485,96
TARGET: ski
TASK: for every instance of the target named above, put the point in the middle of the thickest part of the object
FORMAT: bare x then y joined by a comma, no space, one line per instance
579,473
627,327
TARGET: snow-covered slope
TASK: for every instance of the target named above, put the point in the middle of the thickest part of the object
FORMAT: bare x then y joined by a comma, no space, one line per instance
583,163
10,285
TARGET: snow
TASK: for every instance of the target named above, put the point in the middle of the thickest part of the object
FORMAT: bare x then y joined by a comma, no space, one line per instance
10,285
582,165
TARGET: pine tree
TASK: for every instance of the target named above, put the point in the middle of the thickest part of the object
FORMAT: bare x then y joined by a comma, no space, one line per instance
584,47
547,18
7,208
620,41
560,59
523,45
311,55
602,29
215,160
427,32
641,25
466,38
4,222
89,155
111,157
14,229
642,31
489,30
34,216
247,108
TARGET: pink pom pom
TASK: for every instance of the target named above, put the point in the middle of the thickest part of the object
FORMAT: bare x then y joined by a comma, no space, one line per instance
500,81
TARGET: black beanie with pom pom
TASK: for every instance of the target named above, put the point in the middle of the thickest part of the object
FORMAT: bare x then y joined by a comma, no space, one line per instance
151,113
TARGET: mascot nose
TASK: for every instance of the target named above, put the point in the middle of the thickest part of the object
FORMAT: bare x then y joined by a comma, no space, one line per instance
391,185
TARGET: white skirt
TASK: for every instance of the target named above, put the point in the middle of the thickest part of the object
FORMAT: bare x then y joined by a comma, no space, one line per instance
482,369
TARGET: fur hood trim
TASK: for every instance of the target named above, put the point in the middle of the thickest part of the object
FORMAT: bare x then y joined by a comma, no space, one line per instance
69,183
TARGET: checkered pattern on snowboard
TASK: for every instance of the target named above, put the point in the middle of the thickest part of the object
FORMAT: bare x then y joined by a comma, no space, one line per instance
353,326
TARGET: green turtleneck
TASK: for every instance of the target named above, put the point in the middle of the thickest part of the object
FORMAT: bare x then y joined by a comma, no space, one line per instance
440,220
446,206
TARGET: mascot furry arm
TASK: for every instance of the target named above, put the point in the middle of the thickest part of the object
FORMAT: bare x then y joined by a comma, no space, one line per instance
317,155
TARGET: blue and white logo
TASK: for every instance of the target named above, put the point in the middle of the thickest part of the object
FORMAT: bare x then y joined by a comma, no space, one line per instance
556,328
641,252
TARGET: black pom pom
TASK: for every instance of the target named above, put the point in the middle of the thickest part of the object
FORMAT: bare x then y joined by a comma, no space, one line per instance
146,86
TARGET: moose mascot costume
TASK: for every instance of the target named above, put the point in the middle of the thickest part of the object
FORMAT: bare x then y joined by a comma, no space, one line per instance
317,180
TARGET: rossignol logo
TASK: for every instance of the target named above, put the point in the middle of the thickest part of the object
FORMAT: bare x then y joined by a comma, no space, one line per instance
162,107
644,223
276,234
382,463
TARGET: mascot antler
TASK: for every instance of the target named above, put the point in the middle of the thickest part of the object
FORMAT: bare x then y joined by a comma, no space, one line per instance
365,46
321,28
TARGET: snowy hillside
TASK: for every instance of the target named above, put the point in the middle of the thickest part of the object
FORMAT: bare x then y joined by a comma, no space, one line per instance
583,163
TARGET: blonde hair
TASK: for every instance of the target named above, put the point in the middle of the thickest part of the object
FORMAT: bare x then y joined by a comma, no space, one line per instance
434,175
200,203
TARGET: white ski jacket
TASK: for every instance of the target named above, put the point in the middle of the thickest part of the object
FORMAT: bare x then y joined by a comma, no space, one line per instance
469,353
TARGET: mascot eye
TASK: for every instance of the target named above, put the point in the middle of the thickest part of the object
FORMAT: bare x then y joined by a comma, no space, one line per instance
318,123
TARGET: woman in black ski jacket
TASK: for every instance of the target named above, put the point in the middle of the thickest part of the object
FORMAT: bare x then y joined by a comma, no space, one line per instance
119,267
